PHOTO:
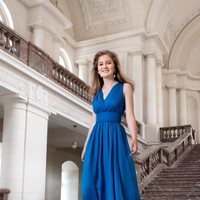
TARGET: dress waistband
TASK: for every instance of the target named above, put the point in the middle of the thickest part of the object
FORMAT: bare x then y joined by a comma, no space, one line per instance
108,117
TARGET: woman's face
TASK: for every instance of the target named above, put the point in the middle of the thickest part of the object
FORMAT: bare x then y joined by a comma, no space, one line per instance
106,66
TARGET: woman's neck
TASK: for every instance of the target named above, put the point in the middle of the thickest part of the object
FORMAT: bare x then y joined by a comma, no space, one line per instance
109,82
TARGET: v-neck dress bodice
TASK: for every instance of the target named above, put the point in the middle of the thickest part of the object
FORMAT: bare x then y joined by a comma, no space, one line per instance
112,107
108,169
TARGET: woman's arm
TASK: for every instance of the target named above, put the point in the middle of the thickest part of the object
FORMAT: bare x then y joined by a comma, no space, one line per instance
88,135
130,116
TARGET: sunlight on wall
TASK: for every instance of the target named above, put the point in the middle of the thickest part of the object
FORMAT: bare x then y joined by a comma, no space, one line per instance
64,60
5,15
69,181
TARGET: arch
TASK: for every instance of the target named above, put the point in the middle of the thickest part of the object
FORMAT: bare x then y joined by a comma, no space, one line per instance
69,181
65,60
164,20
5,15
185,51
154,12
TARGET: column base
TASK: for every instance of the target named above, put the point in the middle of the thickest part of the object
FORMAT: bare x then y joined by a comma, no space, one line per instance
151,133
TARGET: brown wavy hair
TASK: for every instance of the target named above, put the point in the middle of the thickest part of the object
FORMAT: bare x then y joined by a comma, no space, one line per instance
97,81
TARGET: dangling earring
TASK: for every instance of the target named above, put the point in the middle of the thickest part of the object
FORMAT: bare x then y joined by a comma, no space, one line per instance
115,74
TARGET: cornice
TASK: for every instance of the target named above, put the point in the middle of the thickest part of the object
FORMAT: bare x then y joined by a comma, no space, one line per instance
112,37
51,9
181,79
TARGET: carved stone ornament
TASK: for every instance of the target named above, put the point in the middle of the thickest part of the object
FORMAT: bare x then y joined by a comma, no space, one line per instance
104,13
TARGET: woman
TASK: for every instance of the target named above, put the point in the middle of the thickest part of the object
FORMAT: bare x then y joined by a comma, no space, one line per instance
108,168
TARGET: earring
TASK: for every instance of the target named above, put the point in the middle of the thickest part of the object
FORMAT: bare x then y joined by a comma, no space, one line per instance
115,74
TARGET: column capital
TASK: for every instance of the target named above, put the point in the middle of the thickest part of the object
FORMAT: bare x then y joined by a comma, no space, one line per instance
83,62
183,89
57,39
170,86
25,104
136,52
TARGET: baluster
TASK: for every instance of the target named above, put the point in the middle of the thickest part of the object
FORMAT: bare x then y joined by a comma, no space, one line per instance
14,50
75,86
64,79
2,37
165,134
8,43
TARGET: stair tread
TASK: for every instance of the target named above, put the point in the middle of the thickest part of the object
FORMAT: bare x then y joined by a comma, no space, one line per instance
179,183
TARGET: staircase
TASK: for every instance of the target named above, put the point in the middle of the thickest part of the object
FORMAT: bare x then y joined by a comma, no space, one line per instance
179,183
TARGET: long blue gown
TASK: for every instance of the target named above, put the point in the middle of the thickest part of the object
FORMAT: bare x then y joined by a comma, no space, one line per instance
108,169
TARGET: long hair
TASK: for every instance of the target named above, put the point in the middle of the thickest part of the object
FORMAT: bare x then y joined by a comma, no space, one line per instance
97,81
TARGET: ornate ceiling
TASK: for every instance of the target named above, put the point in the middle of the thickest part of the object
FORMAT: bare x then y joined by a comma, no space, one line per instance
94,18
169,18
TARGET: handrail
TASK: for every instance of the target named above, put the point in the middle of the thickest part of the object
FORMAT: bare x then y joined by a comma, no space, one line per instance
170,134
163,155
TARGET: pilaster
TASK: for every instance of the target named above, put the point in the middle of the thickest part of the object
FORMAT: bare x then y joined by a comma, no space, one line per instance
183,106
172,106
83,69
24,147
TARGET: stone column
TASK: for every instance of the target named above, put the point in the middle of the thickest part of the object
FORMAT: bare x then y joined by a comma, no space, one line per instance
124,64
151,109
172,107
159,95
39,36
56,48
183,107
137,76
24,147
151,128
83,69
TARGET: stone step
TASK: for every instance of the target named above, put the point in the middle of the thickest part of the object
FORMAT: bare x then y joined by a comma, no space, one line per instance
196,169
188,166
190,161
170,197
178,175
175,189
179,183
180,186
192,179
175,184
196,173
185,193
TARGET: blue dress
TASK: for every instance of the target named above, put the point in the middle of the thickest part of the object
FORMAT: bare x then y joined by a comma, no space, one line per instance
108,169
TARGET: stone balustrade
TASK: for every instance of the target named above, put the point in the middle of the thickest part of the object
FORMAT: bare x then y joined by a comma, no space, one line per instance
170,134
163,155
38,60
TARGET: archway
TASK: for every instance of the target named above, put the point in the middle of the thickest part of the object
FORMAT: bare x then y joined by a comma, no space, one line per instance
5,15
64,60
69,181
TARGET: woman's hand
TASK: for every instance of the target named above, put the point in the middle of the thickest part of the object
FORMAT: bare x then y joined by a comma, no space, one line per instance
83,154
133,147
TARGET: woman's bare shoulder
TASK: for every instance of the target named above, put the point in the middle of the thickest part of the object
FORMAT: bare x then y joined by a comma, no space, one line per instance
127,88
